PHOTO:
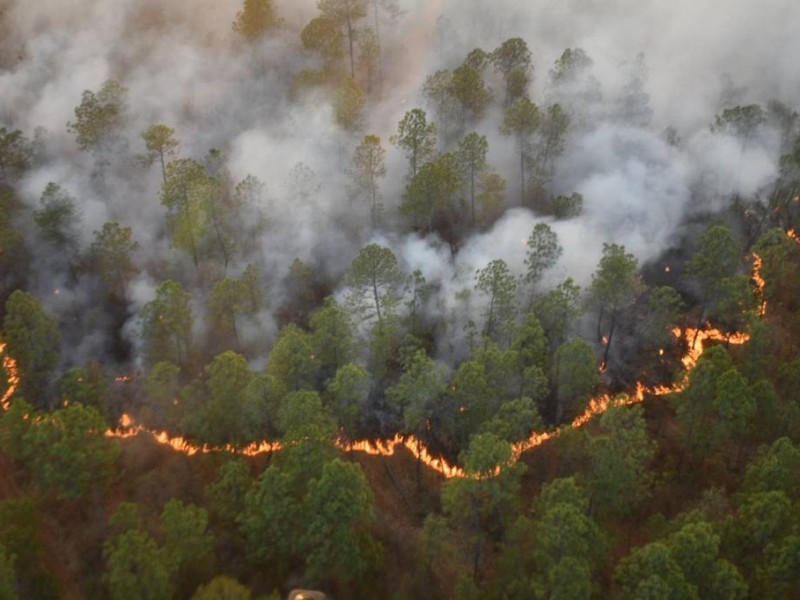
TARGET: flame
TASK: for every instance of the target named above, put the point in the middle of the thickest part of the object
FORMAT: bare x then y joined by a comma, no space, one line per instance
760,283
12,376
127,426
793,234
667,269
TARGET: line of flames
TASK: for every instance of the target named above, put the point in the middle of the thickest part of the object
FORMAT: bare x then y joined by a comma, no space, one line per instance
694,339
128,428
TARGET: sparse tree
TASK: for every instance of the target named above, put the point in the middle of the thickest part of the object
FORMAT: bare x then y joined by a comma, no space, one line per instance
348,105
374,280
368,167
160,145
471,155
521,120
543,252
99,116
112,254
416,137
167,324
58,221
345,13
257,18
499,286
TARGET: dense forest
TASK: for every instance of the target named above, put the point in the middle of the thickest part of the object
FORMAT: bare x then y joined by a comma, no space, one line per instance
399,299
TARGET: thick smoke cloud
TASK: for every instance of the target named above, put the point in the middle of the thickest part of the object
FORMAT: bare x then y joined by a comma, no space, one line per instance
182,66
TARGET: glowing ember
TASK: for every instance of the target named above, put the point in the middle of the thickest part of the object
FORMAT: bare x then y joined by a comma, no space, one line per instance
123,378
667,269
760,283
793,234
12,376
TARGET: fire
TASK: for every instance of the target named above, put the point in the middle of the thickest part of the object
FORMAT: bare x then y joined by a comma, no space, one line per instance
793,234
760,283
127,426
667,269
12,376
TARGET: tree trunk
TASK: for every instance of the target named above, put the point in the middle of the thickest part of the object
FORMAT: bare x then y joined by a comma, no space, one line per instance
350,39
610,336
522,172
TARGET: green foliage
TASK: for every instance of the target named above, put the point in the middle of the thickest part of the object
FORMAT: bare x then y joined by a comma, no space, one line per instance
470,93
432,191
68,452
337,537
166,323
291,362
521,120
222,587
323,37
111,255
374,280
20,525
7,575
471,156
741,121
160,145
16,153
187,543
186,194
229,489
349,389
256,19
543,252
416,137
776,468
368,167
344,13
86,385
58,220
619,477
348,105
651,572
499,286
557,310
415,393
33,340
99,116
137,567
575,377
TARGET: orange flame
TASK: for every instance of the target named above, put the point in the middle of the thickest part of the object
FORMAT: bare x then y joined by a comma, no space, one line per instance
12,376
760,283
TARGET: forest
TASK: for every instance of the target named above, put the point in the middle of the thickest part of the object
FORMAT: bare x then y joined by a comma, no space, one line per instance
399,299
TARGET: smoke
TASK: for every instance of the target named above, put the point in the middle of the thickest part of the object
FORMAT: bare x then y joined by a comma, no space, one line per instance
182,66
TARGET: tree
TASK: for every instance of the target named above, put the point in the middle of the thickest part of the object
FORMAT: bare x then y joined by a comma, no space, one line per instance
575,376
651,572
291,362
415,393
369,57
185,194
137,567
550,142
374,280
112,253
715,261
33,340
160,145
499,285
471,155
740,121
166,323
470,92
222,587
702,428
432,191
633,104
416,137
348,105
99,116
619,457
481,503
15,154
557,310
776,468
368,167
187,541
219,419
86,385
68,452
331,337
323,37
7,575
256,19
615,286
543,252
339,543
513,59
58,221
521,120
664,307
228,302
344,13
349,389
